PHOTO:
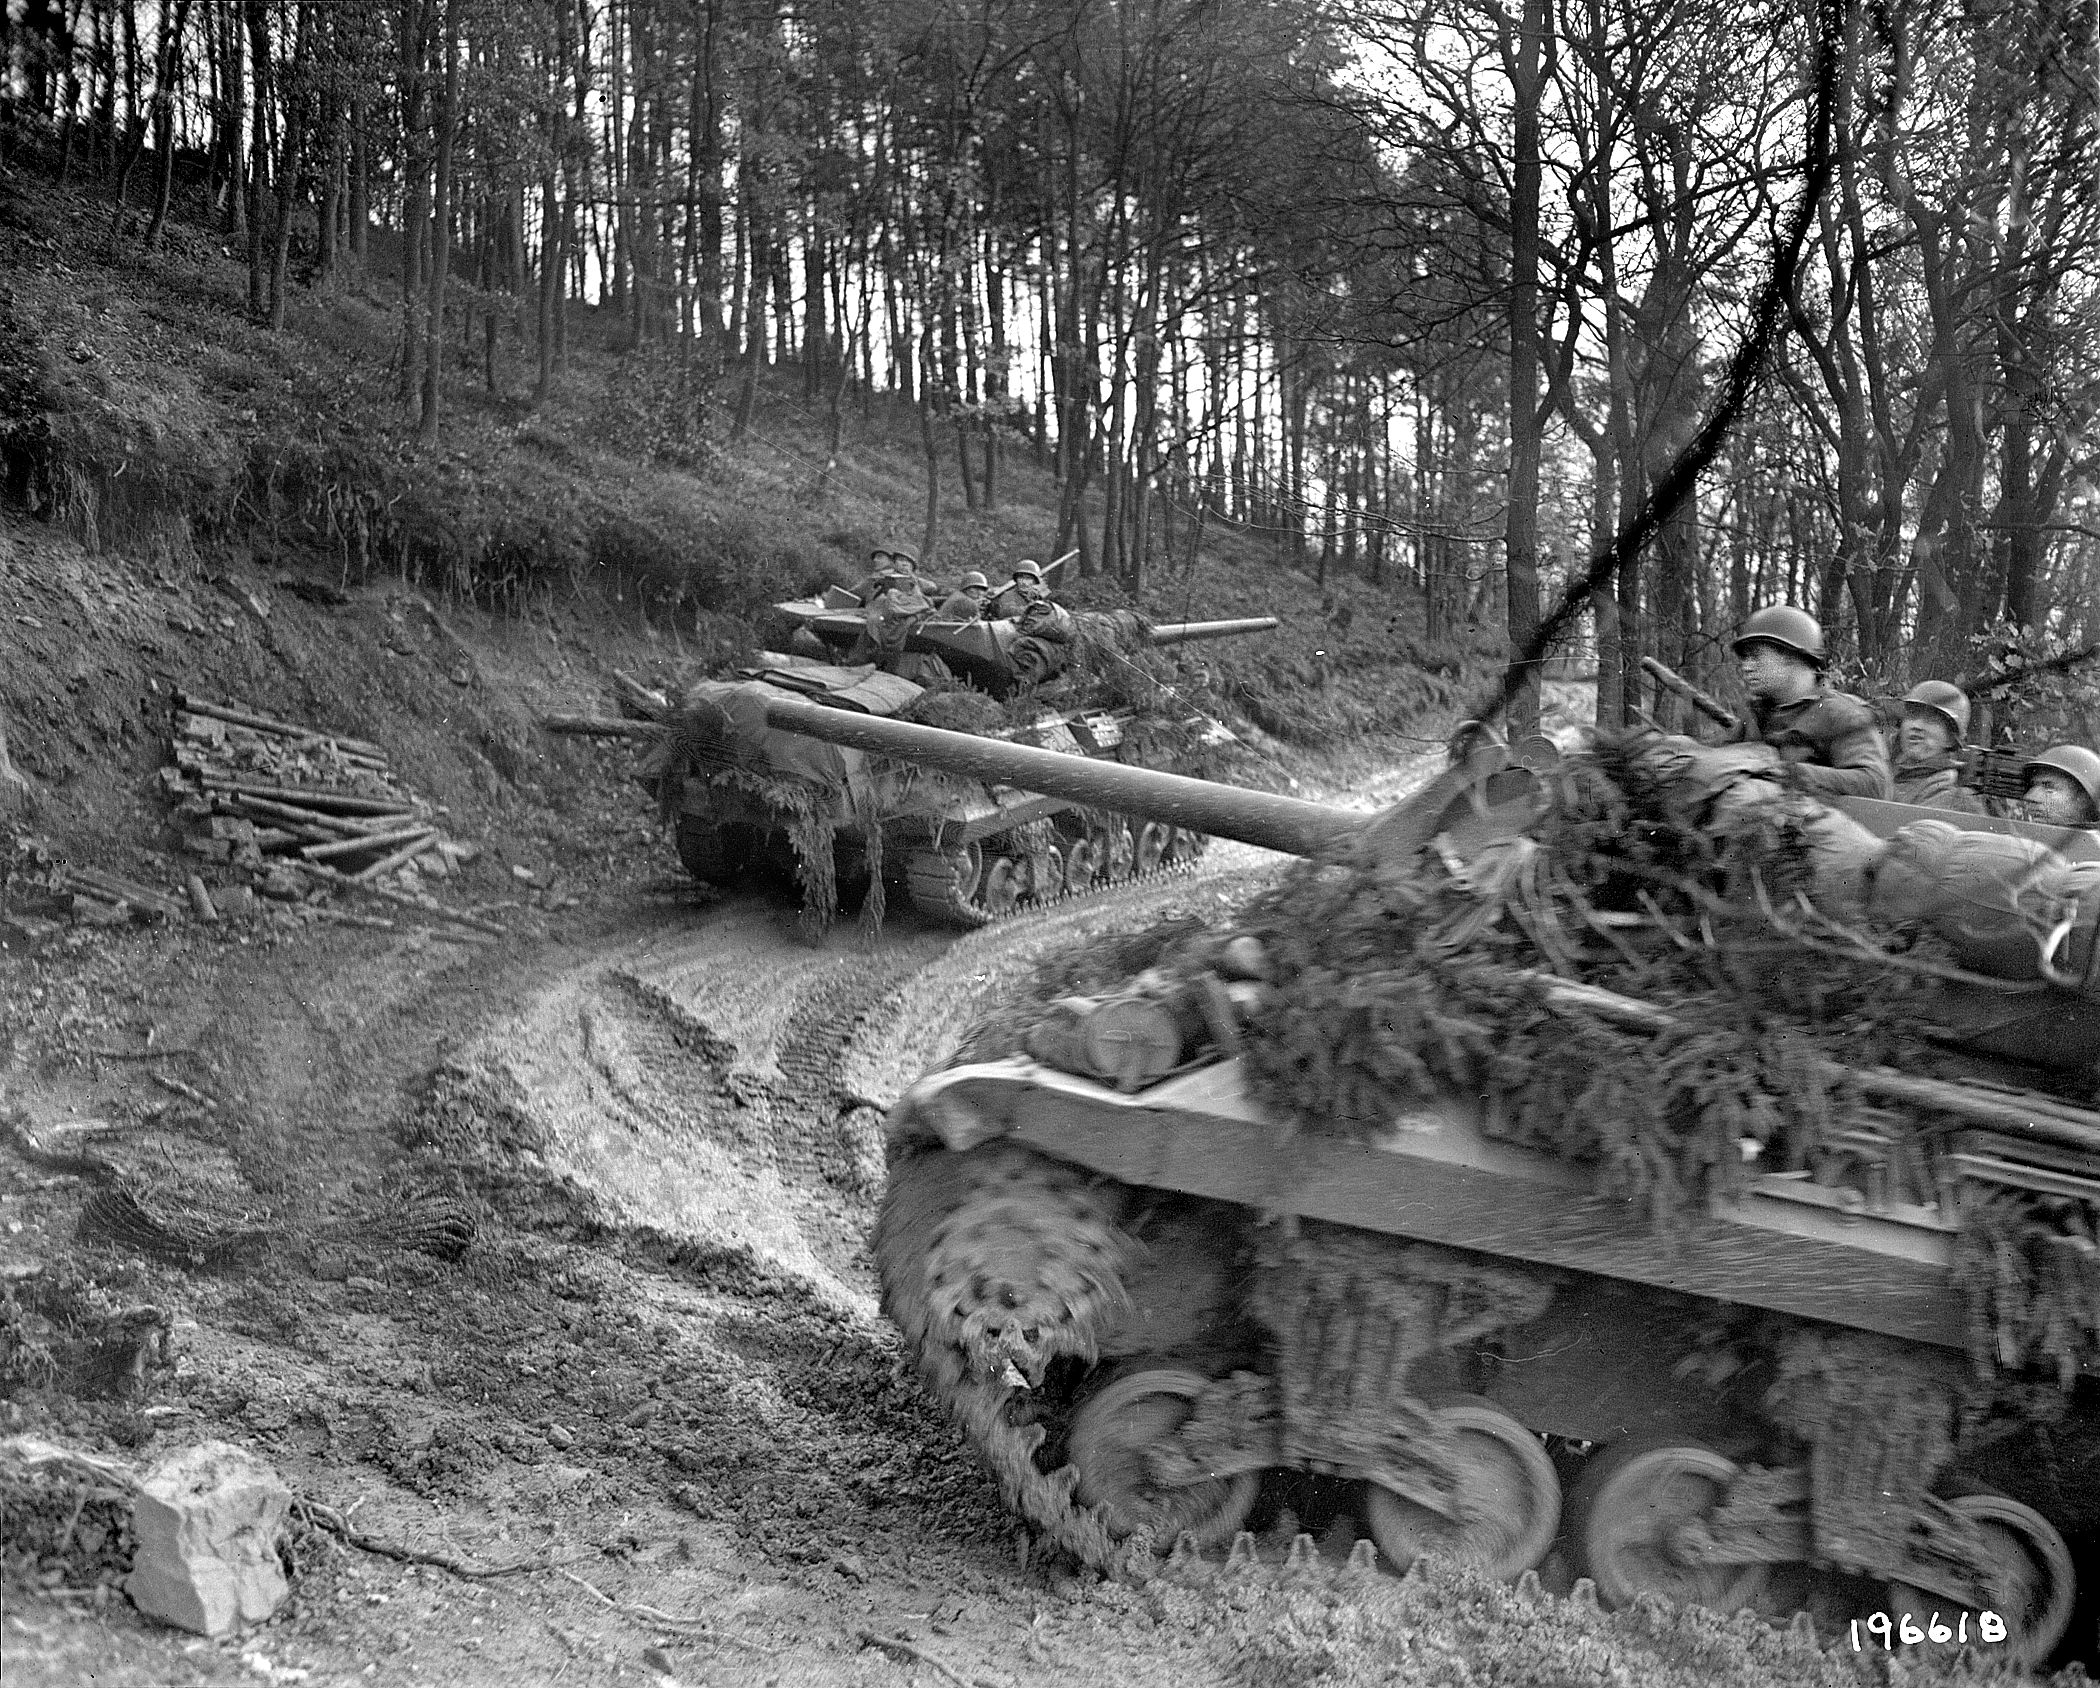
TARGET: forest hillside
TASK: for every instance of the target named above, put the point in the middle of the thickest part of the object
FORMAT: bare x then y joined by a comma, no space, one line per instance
204,501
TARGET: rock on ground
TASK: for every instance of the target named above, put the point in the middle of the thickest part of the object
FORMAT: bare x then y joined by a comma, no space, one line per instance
207,1523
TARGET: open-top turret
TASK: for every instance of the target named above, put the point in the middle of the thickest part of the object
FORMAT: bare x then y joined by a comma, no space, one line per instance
1633,1169
998,655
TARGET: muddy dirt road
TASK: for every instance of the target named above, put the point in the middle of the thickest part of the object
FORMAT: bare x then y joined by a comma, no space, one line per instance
651,1426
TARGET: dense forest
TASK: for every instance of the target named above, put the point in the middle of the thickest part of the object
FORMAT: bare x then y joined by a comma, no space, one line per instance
1427,295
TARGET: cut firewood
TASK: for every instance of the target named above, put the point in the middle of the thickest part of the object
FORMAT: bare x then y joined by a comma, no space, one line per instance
111,888
201,735
338,802
270,724
293,815
200,899
386,864
371,841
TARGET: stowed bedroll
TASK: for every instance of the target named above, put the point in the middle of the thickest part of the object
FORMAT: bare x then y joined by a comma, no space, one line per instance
1633,1162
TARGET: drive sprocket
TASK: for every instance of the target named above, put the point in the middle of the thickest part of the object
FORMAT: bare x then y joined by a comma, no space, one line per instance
994,1263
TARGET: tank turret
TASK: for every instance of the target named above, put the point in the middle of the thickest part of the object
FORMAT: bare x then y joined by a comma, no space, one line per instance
999,656
1360,1209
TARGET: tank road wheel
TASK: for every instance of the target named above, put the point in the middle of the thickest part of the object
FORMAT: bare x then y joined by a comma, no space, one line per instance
1109,1440
1118,852
1184,845
1000,888
703,851
1152,841
1046,875
2029,1559
1080,861
1625,1514
943,882
1507,1503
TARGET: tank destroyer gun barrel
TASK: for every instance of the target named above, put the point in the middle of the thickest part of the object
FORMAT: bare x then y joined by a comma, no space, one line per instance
1188,632
1261,818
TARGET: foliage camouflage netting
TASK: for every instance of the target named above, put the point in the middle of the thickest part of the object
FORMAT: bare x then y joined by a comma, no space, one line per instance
1388,985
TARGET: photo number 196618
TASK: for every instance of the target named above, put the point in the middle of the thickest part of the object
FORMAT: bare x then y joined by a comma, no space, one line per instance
1990,1628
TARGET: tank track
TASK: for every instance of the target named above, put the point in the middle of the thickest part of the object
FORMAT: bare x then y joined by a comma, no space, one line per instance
933,891
999,1262
994,1263
944,1277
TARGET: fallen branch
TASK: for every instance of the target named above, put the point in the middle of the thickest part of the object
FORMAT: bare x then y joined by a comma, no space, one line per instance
901,1648
186,1091
343,917
77,1162
408,899
1991,679
698,1628
318,1512
648,699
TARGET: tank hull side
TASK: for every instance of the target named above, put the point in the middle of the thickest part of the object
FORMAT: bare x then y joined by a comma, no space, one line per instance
1434,1178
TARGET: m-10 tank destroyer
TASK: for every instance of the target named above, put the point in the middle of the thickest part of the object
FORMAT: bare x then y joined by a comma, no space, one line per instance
1384,1207
966,851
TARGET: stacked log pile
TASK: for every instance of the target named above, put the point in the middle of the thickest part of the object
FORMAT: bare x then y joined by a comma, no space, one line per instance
298,809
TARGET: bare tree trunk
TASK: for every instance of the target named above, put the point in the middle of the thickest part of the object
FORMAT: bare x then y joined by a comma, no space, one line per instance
294,125
441,227
1523,63
929,440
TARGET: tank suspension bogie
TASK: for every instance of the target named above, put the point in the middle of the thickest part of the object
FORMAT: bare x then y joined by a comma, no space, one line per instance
1006,873
1502,1512
1113,1444
1200,1351
2033,1578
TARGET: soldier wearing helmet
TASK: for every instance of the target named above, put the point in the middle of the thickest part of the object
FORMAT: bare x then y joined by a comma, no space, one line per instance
891,568
1025,588
1825,739
966,602
1929,764
2063,786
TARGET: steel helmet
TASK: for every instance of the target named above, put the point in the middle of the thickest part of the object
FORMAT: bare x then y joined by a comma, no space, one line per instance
1788,628
2075,761
903,559
1944,699
1028,569
973,578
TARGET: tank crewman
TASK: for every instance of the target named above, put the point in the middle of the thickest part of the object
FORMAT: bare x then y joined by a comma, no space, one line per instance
1826,739
891,565
2063,786
966,602
1025,588
1929,765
